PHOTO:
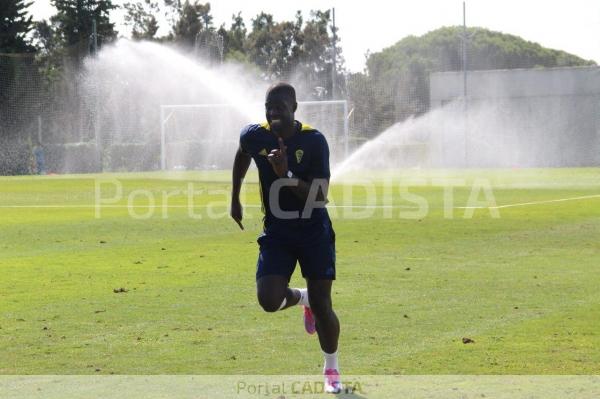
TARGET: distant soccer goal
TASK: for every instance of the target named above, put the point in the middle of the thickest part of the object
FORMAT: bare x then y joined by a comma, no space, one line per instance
331,119
205,136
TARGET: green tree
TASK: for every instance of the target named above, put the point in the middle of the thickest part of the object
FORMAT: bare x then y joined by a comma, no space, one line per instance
234,39
45,36
68,34
286,49
15,24
18,75
315,60
74,18
141,17
294,50
398,76
49,49
194,24
260,45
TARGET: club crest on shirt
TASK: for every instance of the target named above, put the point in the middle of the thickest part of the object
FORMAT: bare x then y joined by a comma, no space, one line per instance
299,154
263,152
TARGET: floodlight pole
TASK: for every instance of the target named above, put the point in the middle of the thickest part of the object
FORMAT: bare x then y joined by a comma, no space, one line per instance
94,37
464,50
464,65
97,127
346,130
39,120
163,150
333,61
220,47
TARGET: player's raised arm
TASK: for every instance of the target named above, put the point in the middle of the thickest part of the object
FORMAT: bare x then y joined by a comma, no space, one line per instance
319,170
241,164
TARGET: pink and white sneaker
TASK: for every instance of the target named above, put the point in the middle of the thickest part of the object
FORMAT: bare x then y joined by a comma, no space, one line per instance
309,321
332,381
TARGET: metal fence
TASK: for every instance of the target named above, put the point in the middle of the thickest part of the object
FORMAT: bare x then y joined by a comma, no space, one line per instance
102,113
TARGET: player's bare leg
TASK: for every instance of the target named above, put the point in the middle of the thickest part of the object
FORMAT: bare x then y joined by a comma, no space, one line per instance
328,329
274,294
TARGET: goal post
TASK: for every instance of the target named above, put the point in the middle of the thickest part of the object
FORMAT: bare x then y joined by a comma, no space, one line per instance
204,136
339,112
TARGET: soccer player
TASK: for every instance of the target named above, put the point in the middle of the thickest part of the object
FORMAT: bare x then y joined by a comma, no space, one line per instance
293,167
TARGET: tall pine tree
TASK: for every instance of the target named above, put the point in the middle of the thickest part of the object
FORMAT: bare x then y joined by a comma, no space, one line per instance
15,24
74,20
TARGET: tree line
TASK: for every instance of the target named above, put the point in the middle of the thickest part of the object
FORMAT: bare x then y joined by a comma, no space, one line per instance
395,83
278,50
393,86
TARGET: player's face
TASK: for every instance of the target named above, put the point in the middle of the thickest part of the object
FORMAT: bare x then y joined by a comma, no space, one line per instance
280,112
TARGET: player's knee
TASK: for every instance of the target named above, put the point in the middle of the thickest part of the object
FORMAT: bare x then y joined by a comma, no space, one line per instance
269,303
271,291
269,307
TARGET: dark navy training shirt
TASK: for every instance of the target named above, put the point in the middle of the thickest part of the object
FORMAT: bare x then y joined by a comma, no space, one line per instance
308,159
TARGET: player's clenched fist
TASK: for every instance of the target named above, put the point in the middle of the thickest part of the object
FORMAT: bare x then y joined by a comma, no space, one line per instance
278,159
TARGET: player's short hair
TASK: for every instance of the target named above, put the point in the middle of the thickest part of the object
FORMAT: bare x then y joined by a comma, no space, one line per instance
282,88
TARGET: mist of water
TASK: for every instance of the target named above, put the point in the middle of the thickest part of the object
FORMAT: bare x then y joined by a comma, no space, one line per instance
204,107
127,84
506,133
124,87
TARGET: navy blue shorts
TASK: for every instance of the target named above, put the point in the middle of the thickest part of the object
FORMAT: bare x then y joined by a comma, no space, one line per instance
309,243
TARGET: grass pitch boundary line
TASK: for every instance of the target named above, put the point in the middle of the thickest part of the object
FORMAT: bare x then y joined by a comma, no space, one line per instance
328,206
530,203
187,206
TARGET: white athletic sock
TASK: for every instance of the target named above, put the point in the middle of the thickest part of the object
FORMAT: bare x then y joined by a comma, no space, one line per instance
283,303
303,297
331,361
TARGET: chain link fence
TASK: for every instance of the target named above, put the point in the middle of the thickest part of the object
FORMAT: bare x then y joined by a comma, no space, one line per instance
102,113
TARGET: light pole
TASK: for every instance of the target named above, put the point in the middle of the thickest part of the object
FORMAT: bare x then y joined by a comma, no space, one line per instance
465,39
334,55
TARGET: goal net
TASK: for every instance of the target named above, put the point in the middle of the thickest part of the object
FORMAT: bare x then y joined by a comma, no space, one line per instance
205,136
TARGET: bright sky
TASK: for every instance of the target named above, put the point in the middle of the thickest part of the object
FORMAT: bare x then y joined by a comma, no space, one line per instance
573,25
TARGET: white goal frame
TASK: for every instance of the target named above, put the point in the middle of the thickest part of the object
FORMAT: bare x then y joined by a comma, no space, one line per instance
167,111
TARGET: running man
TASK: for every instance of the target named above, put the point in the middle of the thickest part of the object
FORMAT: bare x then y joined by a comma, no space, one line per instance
293,167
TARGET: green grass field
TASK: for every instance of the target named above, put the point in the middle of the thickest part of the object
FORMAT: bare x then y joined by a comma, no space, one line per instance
524,287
